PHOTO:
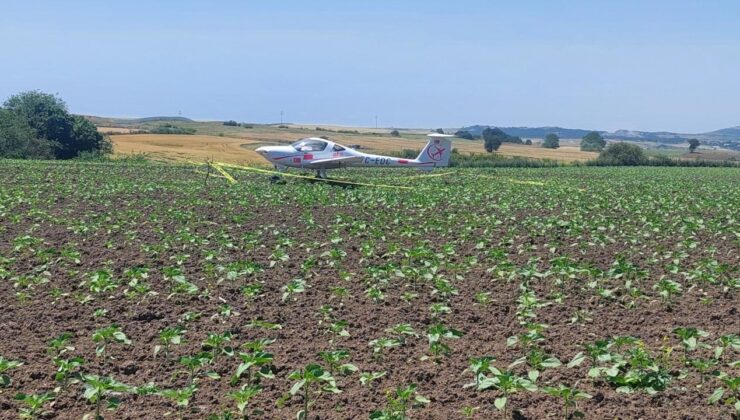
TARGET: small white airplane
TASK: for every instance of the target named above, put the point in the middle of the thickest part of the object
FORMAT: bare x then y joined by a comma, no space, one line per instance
320,155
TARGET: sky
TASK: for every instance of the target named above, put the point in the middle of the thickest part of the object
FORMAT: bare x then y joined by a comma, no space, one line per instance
640,65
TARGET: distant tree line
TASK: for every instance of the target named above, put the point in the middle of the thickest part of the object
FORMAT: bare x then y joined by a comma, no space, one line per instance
232,123
37,125
168,128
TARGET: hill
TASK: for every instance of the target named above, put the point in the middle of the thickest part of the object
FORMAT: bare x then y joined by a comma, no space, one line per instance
728,138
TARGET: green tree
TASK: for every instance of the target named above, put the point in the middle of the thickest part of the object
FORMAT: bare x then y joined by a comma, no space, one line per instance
395,133
693,145
463,134
49,120
552,141
593,142
19,141
623,154
492,138
528,142
440,131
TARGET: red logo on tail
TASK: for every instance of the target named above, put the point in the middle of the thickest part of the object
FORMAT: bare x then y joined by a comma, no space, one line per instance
436,154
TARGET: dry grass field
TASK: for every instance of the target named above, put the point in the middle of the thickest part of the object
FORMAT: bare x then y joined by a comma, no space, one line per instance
114,130
186,147
237,146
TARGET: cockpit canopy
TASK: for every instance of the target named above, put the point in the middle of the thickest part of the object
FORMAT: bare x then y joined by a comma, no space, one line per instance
310,145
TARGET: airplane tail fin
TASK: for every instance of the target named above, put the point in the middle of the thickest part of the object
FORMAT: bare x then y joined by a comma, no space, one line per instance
437,151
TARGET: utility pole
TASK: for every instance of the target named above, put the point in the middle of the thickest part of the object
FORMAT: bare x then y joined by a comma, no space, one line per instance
376,122
281,117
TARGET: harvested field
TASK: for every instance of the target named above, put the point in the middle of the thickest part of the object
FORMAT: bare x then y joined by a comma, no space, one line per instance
227,149
114,130
186,147
619,282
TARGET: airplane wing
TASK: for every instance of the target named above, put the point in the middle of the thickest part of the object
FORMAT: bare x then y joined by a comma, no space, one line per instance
333,162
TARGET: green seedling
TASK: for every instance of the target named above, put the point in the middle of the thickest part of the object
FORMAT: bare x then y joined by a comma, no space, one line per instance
668,290
435,334
402,331
399,403
34,404
339,328
68,370
105,336
637,371
6,365
311,382
704,367
334,360
381,344
255,359
217,344
59,345
195,363
181,397
102,281
690,339
99,389
168,337
368,377
537,360
726,341
730,391
243,395
479,366
508,383
569,398
292,288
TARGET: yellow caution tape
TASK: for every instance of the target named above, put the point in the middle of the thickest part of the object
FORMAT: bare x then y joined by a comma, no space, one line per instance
225,174
427,175
209,174
332,181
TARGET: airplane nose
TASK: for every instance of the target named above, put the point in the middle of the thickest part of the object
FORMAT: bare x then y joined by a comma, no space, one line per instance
261,150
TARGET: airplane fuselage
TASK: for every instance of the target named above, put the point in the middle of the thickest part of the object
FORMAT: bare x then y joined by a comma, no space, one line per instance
320,154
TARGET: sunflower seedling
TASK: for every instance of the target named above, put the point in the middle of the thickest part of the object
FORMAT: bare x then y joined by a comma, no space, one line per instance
105,336
312,380
99,389
167,337
369,377
243,395
399,403
181,397
6,365
34,404
569,397
334,360
508,383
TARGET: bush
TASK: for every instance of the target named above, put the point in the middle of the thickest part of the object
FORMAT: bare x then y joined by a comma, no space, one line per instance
492,138
34,124
231,123
621,153
168,128
528,142
395,133
463,134
552,141
593,142
19,141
